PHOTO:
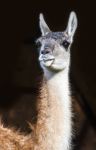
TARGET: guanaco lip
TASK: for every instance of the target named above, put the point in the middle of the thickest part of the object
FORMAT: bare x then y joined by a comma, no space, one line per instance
46,58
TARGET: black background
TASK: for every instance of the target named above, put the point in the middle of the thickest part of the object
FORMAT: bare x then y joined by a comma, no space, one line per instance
19,25
19,72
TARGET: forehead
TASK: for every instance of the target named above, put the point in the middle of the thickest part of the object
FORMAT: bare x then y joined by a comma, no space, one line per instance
54,35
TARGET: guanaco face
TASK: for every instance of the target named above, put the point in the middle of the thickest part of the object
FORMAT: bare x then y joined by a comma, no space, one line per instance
54,47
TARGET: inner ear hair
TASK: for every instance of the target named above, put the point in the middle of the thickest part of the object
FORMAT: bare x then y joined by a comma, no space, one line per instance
43,25
72,24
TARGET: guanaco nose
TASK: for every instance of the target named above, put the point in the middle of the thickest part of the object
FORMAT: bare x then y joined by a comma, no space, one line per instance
46,51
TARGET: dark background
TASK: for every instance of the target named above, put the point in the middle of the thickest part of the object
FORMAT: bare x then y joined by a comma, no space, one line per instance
19,70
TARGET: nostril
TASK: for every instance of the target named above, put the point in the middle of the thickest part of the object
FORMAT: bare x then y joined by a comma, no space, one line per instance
45,52
42,52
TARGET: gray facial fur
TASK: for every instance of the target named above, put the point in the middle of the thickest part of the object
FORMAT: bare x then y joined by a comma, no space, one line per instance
54,47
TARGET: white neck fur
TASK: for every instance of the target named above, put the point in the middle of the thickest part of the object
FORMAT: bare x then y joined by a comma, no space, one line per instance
58,85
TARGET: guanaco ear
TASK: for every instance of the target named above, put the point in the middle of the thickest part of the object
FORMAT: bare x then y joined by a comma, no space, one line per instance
43,26
72,24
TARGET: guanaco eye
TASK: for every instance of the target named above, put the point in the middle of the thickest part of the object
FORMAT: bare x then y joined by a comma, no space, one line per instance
65,44
38,44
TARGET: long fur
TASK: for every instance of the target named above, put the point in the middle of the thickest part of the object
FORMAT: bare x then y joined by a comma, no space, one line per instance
53,128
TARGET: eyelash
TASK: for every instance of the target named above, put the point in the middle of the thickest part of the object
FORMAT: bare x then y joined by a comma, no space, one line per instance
65,44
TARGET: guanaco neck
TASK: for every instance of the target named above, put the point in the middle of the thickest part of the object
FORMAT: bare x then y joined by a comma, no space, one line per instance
54,112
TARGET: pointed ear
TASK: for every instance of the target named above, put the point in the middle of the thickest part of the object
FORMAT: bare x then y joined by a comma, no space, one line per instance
72,25
43,26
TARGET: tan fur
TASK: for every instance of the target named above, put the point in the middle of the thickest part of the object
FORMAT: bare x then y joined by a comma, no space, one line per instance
43,137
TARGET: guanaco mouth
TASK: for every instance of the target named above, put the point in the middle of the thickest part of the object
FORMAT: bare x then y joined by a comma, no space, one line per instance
46,58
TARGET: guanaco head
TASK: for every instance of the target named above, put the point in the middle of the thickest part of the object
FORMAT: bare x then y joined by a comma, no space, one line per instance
54,47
